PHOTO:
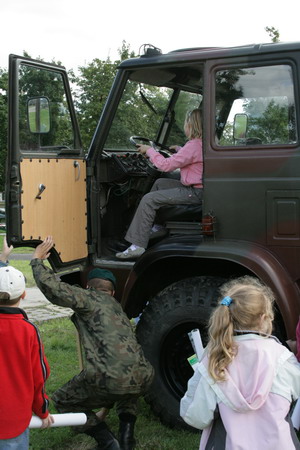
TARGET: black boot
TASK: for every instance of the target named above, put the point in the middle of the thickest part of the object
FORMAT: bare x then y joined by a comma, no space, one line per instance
126,432
104,437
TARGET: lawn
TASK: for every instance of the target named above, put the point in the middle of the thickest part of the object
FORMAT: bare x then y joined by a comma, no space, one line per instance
22,265
60,347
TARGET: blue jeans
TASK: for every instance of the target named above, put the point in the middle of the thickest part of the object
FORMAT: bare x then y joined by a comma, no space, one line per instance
20,442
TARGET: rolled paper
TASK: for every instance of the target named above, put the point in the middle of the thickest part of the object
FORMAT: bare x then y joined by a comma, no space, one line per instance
61,420
196,337
296,415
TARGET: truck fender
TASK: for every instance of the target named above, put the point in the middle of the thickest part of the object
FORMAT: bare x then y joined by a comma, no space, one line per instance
254,258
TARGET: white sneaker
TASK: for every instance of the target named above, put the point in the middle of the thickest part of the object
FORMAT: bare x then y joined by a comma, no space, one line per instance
131,252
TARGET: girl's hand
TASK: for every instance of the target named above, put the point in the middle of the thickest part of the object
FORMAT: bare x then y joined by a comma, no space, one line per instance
143,149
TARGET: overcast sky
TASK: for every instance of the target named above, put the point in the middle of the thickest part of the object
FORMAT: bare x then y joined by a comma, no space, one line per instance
75,32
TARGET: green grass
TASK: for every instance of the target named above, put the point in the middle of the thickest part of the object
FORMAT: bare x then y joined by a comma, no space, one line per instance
25,268
60,347
22,265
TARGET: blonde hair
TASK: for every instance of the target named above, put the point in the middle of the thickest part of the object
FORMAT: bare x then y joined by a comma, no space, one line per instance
250,300
194,122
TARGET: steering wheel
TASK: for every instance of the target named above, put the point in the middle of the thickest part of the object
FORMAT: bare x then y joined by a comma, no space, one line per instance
164,150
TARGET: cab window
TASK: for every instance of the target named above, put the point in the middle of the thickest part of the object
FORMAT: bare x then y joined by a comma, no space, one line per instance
44,117
255,106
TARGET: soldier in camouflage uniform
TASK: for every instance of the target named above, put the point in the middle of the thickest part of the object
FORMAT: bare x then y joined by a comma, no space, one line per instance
115,369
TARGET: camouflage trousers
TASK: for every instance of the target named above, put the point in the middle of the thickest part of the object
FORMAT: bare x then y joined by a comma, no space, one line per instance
79,395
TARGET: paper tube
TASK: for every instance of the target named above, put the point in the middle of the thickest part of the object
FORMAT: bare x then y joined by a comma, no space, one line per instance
296,416
61,420
196,337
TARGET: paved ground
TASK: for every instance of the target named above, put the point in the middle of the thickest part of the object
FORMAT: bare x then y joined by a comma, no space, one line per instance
38,308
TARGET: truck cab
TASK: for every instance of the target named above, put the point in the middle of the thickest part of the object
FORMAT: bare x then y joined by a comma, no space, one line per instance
247,224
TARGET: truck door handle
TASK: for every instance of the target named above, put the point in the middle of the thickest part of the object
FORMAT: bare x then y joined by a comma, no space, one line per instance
42,187
77,166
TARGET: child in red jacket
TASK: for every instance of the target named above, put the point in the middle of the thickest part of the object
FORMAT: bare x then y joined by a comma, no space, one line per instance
23,366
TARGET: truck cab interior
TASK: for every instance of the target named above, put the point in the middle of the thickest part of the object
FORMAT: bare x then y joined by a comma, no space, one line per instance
156,115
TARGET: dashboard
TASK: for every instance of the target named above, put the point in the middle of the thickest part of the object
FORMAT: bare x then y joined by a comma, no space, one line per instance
117,166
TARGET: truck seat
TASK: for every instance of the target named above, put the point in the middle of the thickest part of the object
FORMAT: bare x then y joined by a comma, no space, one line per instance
179,213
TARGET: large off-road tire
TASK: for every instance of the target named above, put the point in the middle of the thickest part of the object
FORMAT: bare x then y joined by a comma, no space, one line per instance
163,333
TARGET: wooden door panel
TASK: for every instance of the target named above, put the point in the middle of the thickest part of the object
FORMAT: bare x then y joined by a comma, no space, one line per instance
61,209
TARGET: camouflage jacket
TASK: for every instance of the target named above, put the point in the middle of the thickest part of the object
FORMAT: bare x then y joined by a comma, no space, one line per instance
113,356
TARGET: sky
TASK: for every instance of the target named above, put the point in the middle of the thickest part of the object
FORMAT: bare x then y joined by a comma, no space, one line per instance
76,32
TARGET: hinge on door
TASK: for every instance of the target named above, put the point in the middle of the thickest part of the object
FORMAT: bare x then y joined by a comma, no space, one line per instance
91,248
89,171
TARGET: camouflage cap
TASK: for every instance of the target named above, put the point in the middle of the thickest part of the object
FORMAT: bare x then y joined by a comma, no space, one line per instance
103,274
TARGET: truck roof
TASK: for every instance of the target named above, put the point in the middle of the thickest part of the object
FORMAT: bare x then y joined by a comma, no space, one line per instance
198,53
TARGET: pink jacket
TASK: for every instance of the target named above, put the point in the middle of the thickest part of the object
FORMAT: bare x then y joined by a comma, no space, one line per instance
253,402
189,159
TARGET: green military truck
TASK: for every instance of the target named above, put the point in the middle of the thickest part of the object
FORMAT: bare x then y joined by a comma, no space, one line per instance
248,223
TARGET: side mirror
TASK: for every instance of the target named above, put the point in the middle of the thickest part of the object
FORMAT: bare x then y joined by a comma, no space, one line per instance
240,125
38,111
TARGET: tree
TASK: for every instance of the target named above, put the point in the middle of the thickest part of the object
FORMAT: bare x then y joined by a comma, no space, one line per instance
92,87
272,125
273,33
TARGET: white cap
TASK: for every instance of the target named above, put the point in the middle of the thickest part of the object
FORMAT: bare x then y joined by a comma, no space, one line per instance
12,281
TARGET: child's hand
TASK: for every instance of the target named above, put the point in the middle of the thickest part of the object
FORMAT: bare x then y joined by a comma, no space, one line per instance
46,423
6,251
102,414
143,149
42,251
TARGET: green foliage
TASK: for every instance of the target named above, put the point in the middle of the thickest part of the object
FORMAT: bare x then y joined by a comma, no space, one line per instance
92,88
272,125
273,33
94,82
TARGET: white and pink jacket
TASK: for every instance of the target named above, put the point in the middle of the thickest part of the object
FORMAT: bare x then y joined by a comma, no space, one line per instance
253,402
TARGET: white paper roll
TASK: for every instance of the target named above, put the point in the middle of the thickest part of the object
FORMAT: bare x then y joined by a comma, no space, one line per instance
61,420
197,343
296,415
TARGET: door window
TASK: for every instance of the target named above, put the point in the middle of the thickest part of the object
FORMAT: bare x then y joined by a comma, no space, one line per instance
44,118
255,106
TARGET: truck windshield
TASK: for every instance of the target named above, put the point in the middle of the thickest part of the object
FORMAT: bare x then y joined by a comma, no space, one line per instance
157,113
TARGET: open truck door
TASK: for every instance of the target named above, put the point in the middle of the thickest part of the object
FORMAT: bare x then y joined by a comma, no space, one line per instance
46,167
